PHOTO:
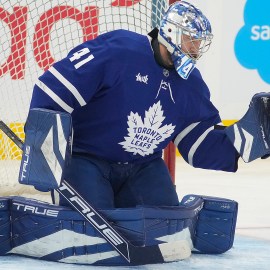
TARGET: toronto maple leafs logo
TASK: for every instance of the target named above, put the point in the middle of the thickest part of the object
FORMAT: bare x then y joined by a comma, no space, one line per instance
144,136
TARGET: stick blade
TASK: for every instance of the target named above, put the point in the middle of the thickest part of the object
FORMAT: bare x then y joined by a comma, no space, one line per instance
162,253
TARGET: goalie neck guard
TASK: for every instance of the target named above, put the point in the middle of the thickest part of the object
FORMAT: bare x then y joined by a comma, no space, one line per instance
187,34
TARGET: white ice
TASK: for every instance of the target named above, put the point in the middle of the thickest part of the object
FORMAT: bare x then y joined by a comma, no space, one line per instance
250,186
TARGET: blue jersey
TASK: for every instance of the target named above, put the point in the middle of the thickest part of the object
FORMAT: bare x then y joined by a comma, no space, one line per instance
127,108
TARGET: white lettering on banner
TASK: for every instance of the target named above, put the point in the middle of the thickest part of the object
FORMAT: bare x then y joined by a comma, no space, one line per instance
36,210
144,137
91,215
260,32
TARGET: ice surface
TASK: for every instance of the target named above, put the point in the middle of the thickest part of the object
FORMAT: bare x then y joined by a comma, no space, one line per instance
247,253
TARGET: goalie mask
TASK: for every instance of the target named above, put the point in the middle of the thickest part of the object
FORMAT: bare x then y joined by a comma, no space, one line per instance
187,34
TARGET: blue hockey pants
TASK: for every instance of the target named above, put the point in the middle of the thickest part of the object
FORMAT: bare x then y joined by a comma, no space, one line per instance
108,185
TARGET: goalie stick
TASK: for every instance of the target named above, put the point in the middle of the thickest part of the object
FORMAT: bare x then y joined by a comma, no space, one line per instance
135,255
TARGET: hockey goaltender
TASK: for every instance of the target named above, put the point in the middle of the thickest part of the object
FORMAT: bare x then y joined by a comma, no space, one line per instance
98,122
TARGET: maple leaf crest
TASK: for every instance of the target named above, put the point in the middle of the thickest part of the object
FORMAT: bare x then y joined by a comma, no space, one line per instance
145,135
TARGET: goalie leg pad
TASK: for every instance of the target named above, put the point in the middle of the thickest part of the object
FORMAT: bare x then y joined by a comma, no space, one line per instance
215,226
5,226
47,148
251,135
58,233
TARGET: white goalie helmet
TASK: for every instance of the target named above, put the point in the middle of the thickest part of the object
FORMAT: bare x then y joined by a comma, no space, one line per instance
187,34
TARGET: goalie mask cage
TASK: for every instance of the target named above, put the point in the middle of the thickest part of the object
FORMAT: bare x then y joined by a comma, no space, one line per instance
36,33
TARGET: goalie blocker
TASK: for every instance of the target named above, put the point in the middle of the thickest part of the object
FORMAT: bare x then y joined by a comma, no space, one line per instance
47,148
57,233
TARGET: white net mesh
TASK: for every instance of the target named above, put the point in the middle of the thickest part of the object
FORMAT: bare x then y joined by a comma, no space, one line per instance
33,35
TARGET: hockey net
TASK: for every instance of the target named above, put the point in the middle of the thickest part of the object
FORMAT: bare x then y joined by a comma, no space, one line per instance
34,34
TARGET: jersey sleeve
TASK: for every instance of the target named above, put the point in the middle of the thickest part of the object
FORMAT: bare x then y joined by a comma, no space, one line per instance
73,81
200,142
204,146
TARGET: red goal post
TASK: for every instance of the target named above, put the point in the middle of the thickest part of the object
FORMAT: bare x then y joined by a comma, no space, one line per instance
170,151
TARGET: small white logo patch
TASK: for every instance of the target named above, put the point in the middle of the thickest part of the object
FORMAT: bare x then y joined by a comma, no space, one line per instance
144,136
140,78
